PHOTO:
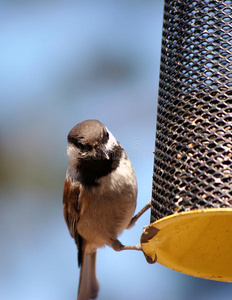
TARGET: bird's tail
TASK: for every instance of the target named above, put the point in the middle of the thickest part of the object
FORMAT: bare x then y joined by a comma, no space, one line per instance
88,284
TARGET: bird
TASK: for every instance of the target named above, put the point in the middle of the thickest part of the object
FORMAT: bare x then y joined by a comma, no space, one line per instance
99,197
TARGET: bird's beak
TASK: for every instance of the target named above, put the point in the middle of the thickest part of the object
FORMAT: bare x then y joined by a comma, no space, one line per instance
104,153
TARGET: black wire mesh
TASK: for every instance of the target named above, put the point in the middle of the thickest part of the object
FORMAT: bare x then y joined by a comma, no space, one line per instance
193,153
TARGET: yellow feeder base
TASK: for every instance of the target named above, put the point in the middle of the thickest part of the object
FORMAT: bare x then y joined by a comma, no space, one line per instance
197,243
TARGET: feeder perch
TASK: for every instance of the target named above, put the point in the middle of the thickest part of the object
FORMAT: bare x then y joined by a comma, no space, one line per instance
191,213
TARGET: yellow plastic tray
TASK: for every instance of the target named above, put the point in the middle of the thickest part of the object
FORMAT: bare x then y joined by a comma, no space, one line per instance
197,243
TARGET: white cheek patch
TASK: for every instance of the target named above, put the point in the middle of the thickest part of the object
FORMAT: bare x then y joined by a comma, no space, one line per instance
71,151
111,141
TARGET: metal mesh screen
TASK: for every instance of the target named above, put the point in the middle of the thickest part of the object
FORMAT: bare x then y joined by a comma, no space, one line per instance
193,153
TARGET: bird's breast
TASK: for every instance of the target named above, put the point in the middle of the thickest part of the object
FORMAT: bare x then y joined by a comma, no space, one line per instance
106,209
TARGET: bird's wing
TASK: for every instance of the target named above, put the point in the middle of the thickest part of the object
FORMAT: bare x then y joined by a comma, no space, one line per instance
71,208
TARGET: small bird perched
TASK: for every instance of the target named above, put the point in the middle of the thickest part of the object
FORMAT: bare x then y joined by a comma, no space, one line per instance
99,197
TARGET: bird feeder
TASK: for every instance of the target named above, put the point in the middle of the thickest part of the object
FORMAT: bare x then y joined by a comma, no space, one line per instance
191,214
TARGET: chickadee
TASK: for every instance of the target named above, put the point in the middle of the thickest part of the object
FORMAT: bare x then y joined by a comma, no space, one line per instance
99,197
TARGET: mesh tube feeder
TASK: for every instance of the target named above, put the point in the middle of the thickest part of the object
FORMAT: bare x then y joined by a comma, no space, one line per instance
191,214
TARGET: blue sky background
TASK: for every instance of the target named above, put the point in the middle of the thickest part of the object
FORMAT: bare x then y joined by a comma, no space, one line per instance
63,62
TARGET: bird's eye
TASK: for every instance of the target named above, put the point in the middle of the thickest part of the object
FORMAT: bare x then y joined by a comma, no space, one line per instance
106,135
88,147
81,146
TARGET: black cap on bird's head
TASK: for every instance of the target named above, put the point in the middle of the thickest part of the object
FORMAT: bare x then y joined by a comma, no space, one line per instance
91,138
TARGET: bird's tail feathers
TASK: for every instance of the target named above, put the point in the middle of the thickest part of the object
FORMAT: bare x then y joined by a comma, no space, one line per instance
88,284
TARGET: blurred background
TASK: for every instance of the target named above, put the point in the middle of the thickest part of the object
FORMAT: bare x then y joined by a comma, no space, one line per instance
62,62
